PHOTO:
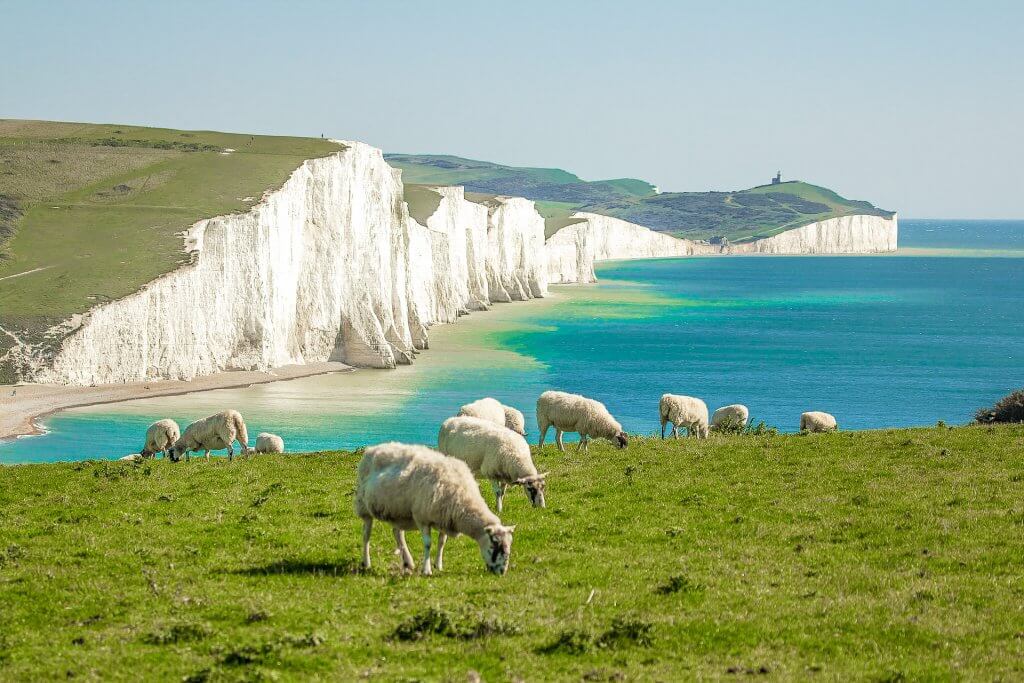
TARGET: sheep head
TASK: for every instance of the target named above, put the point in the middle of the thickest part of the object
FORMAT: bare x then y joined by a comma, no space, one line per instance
496,547
621,440
534,486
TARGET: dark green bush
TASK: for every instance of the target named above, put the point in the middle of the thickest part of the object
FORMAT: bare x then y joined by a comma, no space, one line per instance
1010,408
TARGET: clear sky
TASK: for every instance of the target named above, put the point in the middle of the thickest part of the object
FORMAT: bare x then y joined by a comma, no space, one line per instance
915,106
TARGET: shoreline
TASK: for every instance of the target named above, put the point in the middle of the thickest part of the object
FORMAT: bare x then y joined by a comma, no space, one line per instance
19,414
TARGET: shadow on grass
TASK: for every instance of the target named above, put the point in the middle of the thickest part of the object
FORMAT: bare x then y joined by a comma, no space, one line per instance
299,567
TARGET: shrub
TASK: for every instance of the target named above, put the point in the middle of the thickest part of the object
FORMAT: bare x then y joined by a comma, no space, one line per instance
1010,408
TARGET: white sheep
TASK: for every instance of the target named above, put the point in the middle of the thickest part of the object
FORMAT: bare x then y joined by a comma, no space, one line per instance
415,487
212,433
730,416
817,421
575,413
495,453
683,411
160,436
515,420
269,443
494,411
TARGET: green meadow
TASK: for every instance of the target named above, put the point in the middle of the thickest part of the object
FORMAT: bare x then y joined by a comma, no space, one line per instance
877,556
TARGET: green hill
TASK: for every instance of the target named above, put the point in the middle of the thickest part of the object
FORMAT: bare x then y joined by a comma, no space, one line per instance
557,193
90,213
741,215
857,556
738,215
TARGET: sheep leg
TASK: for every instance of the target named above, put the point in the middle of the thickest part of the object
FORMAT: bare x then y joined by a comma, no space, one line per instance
442,537
425,533
408,564
558,439
584,443
207,455
543,433
663,430
367,529
499,493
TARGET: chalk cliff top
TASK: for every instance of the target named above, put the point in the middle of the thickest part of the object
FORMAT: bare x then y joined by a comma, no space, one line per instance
89,213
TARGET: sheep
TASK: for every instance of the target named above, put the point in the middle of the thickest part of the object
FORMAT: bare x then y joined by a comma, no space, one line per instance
212,433
415,487
493,452
575,413
730,416
683,411
514,420
492,410
817,421
160,436
269,443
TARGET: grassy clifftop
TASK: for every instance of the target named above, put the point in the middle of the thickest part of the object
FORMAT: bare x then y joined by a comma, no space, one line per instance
89,213
741,215
890,555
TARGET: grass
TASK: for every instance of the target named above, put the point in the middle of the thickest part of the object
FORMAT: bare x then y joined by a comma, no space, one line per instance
89,199
878,556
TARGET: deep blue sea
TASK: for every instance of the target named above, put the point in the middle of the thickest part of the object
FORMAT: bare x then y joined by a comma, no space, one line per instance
879,341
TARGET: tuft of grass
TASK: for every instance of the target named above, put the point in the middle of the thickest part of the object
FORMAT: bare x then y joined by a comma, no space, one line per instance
177,633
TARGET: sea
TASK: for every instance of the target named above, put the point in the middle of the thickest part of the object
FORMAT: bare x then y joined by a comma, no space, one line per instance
931,333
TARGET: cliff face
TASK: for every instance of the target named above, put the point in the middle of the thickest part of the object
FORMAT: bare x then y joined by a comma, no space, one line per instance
843,235
332,266
329,267
573,250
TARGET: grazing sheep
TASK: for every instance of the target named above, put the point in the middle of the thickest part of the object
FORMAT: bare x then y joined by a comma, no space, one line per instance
493,411
269,443
817,421
160,436
415,487
575,413
495,453
212,433
729,416
683,411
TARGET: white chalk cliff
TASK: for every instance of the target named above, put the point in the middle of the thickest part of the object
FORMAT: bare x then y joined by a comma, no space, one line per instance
573,250
860,234
332,266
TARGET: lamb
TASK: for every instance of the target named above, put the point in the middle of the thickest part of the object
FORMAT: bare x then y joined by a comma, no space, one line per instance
730,416
160,436
817,421
415,487
493,452
492,410
269,443
212,433
575,413
683,411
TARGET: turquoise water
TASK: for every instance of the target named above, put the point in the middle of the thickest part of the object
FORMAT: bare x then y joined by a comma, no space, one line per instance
877,341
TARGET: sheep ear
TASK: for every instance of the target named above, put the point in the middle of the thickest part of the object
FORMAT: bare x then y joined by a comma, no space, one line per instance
521,481
511,529
543,475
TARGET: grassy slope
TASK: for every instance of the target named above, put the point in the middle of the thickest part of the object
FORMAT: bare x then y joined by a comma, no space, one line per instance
890,555
739,216
91,209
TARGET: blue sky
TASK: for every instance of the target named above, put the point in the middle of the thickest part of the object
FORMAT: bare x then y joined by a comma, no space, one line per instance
915,106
